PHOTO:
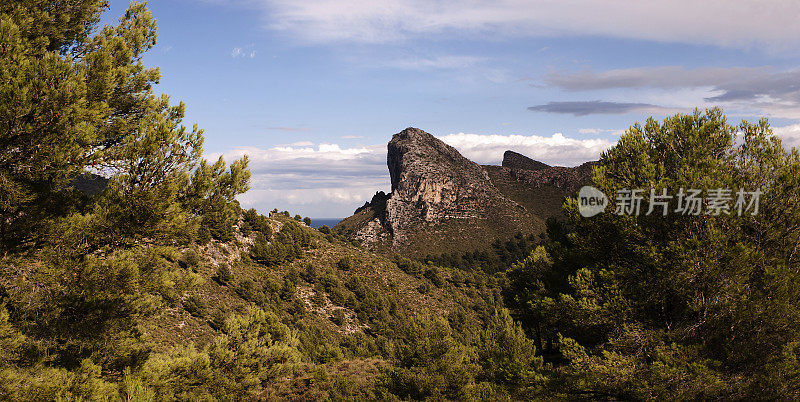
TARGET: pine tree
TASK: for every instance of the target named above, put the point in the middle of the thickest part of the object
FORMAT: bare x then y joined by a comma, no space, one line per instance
676,306
74,100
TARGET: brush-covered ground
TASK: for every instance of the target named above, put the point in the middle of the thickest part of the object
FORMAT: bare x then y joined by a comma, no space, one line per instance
279,311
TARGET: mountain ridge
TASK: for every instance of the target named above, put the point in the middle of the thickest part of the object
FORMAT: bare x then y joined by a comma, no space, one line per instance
442,202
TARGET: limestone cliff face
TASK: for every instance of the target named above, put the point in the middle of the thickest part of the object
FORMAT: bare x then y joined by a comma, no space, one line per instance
431,181
440,201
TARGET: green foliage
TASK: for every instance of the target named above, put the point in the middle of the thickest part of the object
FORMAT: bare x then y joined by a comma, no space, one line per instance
345,263
339,317
196,306
89,99
287,245
248,290
224,275
89,308
84,268
203,235
255,349
676,306
217,320
252,221
498,258
191,259
506,355
430,362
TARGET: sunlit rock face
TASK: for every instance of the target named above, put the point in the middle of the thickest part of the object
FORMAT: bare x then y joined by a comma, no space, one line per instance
443,202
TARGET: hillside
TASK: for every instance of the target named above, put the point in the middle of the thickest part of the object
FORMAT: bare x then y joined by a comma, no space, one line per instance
307,290
341,302
536,186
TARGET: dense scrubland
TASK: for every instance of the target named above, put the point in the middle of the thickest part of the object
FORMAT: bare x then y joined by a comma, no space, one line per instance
130,272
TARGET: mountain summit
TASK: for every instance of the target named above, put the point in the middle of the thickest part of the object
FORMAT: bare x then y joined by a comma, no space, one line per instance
513,160
443,202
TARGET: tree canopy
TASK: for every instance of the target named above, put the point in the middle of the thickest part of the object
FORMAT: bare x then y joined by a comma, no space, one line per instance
76,101
696,306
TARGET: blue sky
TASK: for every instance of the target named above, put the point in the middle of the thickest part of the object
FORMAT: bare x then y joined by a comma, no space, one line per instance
312,90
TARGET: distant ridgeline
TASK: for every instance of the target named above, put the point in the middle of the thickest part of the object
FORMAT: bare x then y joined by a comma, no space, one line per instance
441,202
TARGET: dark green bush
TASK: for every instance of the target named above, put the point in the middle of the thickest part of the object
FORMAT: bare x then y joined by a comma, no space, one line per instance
195,305
191,259
224,274
247,290
345,263
217,320
339,317
203,235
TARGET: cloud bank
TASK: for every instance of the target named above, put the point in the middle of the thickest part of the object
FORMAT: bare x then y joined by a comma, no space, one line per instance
322,181
743,24
790,135
759,90
328,180
554,150
585,108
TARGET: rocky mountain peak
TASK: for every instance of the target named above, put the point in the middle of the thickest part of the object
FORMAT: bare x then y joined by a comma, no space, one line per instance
515,160
436,194
415,154
419,153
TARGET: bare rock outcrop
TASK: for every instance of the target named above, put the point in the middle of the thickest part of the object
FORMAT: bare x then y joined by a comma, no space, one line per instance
513,160
440,202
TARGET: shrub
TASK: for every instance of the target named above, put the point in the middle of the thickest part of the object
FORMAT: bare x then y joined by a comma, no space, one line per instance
191,259
339,317
195,305
327,352
287,245
432,273
224,274
319,295
345,263
424,288
219,224
256,222
217,320
310,274
247,290
203,235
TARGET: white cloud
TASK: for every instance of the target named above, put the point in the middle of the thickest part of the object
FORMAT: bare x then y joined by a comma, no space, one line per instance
328,180
757,23
243,52
554,150
438,62
745,90
317,180
790,135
